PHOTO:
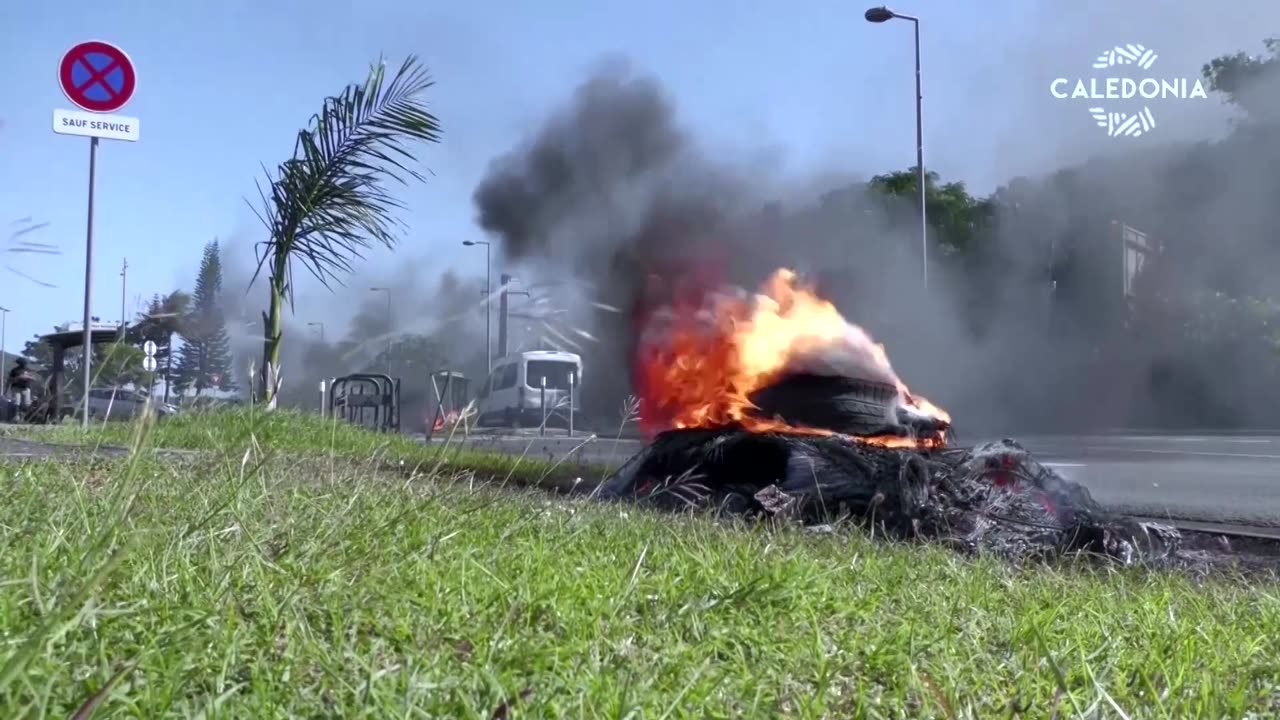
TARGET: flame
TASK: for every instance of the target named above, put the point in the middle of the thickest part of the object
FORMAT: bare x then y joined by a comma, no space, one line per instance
704,355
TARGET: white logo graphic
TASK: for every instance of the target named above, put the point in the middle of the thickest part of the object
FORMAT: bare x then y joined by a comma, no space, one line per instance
1134,122
1127,55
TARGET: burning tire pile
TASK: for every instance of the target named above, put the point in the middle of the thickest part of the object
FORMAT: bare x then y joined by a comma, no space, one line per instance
773,405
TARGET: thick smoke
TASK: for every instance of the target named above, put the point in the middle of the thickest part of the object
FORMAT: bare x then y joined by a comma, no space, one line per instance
1029,329
613,193
610,191
435,322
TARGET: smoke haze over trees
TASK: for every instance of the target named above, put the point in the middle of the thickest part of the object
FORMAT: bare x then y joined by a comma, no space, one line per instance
436,323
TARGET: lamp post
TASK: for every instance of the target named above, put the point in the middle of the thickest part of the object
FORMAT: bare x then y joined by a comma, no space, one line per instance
4,359
884,14
319,325
488,311
388,292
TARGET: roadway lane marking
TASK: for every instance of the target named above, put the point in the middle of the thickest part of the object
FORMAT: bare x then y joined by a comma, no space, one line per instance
1059,439
1178,439
1227,528
1204,453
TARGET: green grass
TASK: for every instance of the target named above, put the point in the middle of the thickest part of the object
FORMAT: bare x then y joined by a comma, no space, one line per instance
296,433
272,587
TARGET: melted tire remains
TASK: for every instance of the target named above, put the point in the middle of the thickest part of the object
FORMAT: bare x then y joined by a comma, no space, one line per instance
992,499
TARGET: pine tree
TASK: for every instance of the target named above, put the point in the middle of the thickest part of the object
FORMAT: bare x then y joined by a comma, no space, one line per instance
204,361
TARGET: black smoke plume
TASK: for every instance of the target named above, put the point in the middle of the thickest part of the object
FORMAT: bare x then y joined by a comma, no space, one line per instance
1027,328
609,192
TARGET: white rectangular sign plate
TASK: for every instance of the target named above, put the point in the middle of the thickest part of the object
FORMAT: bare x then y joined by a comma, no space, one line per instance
107,127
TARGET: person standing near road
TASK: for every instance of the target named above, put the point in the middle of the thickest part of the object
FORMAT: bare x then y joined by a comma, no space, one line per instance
20,382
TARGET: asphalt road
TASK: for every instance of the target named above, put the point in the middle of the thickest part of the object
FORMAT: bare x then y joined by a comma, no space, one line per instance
13,449
1219,478
1210,478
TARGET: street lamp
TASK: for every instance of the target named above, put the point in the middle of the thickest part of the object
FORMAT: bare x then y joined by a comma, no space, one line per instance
388,292
488,311
884,14
4,359
319,325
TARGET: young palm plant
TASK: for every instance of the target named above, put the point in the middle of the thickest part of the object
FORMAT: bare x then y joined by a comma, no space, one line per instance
330,202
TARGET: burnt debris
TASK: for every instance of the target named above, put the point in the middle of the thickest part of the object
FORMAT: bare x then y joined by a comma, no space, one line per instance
994,498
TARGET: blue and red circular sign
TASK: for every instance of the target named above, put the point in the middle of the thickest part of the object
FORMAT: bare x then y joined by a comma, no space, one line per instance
97,76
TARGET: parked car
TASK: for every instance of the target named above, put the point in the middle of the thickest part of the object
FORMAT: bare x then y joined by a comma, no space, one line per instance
120,404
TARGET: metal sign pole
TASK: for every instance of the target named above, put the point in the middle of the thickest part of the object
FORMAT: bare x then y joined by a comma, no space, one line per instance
4,359
87,350
124,278
100,78
435,417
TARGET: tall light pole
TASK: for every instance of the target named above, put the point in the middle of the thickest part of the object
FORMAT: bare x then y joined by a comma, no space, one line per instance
884,14
4,359
388,292
488,311
319,325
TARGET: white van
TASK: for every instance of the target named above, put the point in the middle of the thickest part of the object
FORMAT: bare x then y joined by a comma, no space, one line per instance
512,395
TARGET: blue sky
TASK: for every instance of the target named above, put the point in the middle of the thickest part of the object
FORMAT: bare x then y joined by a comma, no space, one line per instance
804,87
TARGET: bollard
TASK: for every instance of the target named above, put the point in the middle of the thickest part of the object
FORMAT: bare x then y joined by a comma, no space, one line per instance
322,403
543,430
572,380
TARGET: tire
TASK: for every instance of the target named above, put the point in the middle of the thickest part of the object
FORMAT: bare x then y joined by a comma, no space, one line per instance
846,405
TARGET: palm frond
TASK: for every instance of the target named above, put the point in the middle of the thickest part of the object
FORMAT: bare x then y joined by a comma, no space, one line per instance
329,203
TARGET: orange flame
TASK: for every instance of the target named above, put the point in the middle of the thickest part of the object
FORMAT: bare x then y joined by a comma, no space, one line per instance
701,362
